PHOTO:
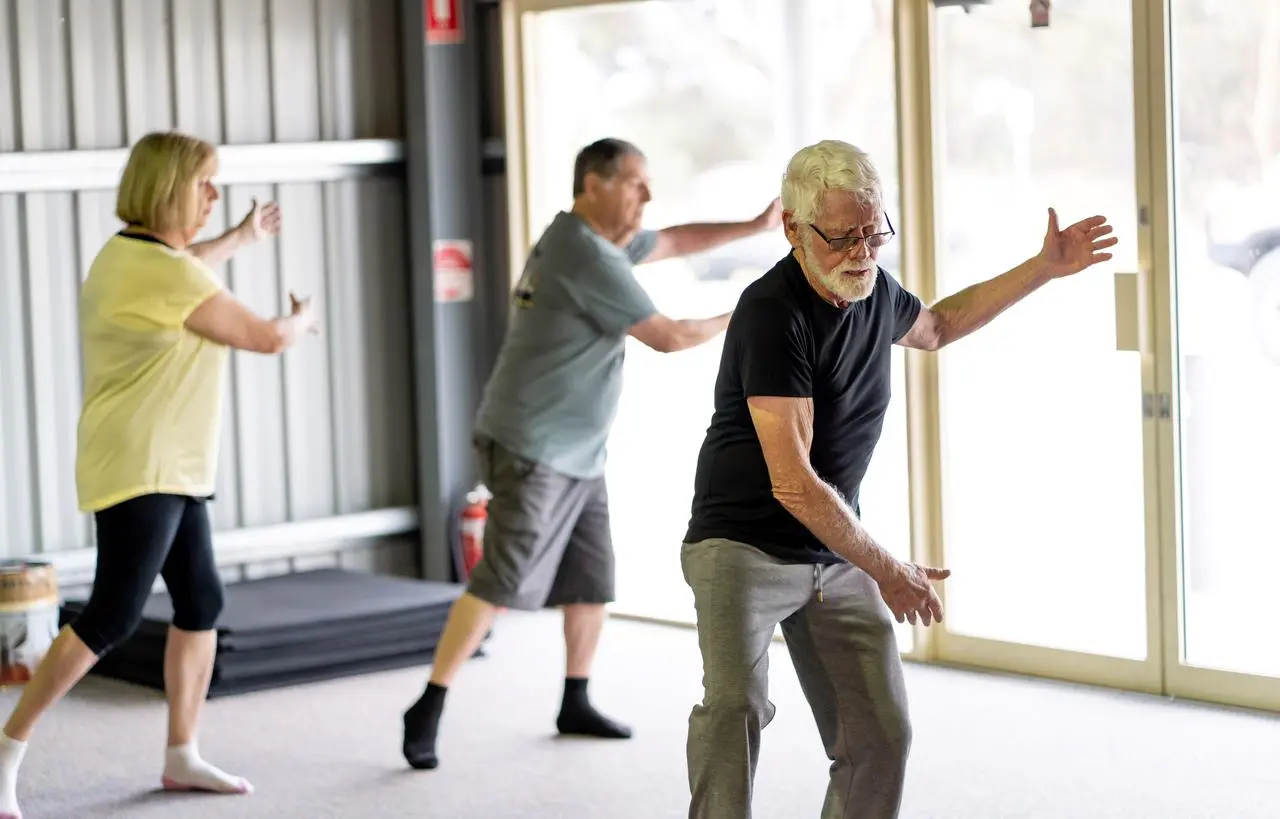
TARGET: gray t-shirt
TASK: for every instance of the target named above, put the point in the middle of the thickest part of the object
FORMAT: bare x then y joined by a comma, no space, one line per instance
554,390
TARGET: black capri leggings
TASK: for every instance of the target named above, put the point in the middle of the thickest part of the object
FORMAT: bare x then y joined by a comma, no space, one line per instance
167,535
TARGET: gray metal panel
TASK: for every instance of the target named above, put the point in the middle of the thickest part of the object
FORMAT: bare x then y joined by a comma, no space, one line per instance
197,76
335,72
385,344
54,360
254,277
295,90
148,62
9,113
246,67
41,57
368,331
96,87
328,427
308,405
378,69
344,330
17,495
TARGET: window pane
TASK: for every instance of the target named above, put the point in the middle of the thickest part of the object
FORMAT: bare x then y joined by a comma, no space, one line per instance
1226,69
1044,521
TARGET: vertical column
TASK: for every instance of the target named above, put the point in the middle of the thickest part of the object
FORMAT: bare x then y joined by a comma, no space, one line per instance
913,39
444,190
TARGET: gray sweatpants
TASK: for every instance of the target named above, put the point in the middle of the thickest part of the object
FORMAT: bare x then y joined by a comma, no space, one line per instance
839,633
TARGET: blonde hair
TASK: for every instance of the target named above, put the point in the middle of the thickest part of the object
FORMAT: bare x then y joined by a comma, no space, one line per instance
157,189
829,165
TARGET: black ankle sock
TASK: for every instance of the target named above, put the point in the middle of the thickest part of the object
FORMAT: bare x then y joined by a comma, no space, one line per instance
577,716
420,724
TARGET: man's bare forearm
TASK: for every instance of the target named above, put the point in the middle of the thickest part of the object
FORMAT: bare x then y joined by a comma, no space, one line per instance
685,240
824,513
694,332
975,306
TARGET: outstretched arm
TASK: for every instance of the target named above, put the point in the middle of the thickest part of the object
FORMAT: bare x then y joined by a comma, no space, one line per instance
667,335
262,221
685,240
1064,253
224,320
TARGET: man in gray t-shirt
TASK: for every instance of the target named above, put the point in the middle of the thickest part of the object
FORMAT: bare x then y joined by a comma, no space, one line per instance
553,392
544,422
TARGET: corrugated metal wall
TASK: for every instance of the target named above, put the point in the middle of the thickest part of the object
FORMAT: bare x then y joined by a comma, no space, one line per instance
325,430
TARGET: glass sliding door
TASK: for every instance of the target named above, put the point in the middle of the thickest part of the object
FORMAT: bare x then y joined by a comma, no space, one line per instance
1225,70
718,94
1043,459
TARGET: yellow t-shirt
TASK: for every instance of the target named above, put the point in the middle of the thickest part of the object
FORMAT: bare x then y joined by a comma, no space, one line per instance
153,390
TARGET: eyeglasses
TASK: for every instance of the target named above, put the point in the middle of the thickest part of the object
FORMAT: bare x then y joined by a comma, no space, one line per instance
843,244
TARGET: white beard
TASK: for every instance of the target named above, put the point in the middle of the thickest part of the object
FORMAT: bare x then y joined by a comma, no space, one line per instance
848,288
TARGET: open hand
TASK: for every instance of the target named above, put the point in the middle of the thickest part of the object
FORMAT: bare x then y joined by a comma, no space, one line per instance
909,593
261,221
770,218
302,308
1069,251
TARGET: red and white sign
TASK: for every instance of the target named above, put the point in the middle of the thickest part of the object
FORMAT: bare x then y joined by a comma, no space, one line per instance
1040,13
444,21
454,276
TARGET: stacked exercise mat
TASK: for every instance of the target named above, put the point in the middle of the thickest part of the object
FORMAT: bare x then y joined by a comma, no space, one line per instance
296,628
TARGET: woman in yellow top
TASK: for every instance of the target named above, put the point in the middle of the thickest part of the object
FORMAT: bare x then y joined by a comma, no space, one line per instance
156,326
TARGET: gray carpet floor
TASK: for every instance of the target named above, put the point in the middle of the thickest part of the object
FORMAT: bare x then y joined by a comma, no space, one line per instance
986,746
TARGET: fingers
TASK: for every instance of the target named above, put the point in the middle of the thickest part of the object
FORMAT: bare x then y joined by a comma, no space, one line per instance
269,217
1053,221
934,606
1100,244
936,574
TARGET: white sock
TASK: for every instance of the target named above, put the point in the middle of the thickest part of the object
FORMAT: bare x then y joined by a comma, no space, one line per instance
185,770
11,753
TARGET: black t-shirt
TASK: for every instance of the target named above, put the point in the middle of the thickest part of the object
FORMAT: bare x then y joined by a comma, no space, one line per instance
786,340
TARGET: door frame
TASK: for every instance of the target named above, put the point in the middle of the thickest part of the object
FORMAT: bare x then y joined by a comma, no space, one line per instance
918,75
1181,679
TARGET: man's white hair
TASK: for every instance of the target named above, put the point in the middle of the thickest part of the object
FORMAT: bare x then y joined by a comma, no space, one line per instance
829,165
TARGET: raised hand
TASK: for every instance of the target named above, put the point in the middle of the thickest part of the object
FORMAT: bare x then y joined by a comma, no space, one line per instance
302,309
261,221
1066,252
771,217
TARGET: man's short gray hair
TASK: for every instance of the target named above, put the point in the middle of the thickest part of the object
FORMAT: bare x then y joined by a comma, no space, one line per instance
829,165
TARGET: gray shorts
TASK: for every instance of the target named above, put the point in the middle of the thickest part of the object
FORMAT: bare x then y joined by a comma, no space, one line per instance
547,540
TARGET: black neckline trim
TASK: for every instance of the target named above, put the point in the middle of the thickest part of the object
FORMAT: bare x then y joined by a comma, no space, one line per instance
142,237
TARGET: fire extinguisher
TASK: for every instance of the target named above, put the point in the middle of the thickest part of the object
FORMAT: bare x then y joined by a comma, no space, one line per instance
474,515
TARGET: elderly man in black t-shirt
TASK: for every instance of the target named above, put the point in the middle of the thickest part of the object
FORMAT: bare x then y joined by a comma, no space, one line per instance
775,536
